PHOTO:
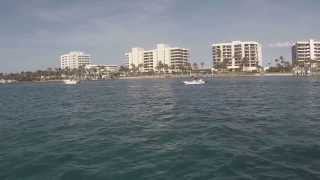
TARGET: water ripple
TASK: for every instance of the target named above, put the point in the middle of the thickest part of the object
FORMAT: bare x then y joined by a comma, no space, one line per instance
231,128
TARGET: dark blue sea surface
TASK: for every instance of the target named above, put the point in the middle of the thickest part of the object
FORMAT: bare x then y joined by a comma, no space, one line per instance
230,128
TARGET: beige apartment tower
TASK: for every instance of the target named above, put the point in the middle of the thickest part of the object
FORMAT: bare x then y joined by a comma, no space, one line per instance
164,57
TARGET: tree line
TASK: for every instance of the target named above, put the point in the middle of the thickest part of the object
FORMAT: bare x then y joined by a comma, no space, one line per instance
59,74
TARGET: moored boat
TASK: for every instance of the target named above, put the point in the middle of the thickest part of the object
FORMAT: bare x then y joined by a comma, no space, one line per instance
8,81
71,82
194,82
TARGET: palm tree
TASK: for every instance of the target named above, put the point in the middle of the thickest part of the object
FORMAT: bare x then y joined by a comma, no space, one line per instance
66,71
172,68
194,66
317,63
188,67
179,67
281,58
124,70
237,58
224,64
81,72
160,67
311,64
277,62
217,65
57,73
134,68
140,67
166,68
202,65
244,63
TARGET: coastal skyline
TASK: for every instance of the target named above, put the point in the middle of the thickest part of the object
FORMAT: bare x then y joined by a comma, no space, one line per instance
36,33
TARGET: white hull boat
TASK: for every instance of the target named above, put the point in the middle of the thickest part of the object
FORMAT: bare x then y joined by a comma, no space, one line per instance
194,82
2,81
71,82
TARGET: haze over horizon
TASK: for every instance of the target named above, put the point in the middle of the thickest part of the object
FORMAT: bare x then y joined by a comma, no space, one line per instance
35,33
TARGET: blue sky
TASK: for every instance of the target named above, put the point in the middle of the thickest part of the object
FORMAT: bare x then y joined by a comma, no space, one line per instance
34,33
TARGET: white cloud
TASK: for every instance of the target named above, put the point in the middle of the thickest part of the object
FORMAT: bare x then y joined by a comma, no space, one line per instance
281,44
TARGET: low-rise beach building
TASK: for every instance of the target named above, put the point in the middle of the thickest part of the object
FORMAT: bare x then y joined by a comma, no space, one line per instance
105,67
101,71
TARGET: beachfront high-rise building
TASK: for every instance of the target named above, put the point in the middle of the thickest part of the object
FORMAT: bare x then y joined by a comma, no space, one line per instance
179,57
303,51
162,58
148,61
237,55
74,60
135,58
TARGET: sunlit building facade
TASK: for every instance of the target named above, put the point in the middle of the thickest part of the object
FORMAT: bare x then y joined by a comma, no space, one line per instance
238,55
303,51
163,57
74,60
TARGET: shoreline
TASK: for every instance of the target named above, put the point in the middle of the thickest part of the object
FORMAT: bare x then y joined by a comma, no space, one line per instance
170,76
208,76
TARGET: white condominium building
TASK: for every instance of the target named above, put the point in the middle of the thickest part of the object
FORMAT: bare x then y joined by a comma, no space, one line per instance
179,57
135,58
306,50
74,60
238,55
148,61
163,57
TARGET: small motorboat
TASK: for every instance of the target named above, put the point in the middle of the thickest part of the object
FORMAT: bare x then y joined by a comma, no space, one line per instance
71,82
194,82
9,81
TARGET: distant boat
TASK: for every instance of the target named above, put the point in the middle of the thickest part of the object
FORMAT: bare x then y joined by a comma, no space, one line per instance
71,82
9,81
194,82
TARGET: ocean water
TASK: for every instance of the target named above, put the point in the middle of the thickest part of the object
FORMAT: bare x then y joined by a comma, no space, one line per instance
230,128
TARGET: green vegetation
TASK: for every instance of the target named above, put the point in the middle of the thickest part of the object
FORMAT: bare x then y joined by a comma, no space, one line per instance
59,74
281,65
